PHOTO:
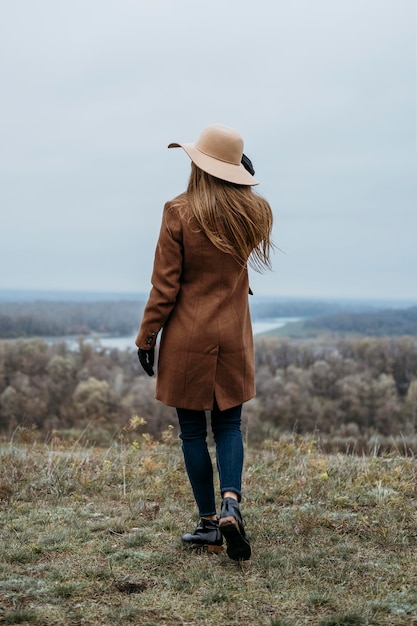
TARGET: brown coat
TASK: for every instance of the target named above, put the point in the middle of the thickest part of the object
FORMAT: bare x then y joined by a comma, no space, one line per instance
200,299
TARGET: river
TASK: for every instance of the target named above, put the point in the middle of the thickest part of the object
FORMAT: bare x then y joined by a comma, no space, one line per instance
123,342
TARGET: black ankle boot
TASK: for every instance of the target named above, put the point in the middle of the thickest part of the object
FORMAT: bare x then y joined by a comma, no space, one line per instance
231,527
207,535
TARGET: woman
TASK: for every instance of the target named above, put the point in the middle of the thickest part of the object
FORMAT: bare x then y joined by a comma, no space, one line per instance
199,298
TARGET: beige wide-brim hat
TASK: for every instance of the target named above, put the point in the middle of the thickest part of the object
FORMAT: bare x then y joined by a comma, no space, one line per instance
218,151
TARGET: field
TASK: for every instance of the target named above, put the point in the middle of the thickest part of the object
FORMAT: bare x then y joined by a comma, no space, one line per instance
92,536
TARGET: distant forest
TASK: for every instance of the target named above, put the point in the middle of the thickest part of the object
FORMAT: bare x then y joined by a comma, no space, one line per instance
57,319
48,318
373,324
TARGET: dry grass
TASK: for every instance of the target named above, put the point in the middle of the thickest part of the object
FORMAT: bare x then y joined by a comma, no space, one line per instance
91,536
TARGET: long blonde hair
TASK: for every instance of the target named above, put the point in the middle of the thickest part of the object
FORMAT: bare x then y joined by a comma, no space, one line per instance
233,217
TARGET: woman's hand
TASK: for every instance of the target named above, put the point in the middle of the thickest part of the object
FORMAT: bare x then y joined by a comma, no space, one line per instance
146,359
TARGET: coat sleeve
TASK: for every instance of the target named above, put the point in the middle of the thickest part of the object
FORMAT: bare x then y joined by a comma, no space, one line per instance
166,278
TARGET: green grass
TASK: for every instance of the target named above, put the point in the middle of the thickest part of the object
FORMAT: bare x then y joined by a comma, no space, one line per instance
92,536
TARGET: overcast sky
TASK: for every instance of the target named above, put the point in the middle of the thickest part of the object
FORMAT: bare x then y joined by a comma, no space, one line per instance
323,92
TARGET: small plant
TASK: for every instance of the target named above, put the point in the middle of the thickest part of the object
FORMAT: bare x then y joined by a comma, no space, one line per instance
19,616
214,597
320,599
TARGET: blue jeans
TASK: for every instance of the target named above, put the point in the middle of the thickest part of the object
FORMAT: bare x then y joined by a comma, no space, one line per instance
229,453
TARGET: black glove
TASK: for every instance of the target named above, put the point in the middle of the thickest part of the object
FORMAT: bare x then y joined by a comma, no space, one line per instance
146,359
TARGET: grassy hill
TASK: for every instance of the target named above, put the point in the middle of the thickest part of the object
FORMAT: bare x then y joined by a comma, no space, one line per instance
91,536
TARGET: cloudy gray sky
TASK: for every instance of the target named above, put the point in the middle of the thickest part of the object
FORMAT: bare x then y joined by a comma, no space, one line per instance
323,92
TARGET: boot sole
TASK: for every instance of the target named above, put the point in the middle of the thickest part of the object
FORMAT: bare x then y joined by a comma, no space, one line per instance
238,548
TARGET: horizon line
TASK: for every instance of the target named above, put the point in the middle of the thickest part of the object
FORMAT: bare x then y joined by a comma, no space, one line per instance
53,293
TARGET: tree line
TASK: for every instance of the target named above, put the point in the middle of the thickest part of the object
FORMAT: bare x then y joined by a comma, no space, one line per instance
348,390
56,319
378,324
46,318
49,318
